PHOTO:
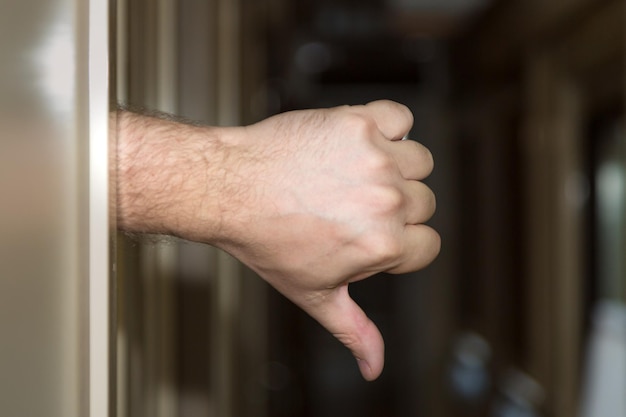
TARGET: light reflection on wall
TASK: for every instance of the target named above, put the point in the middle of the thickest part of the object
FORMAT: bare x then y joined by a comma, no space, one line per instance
54,62
39,189
611,205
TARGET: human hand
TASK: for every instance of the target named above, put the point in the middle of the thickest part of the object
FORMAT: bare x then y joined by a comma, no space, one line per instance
311,200
331,197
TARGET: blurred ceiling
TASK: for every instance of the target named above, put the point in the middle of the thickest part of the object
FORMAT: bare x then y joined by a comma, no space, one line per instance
386,41
449,7
405,18
434,18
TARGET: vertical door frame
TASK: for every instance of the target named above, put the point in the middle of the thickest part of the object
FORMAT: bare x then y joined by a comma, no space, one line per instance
101,212
559,77
101,223
554,230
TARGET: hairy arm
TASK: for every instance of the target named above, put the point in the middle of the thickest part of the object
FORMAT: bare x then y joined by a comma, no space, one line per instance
311,200
171,177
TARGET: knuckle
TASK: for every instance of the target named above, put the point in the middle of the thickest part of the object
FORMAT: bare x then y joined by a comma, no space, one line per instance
384,249
389,200
380,164
361,125
386,163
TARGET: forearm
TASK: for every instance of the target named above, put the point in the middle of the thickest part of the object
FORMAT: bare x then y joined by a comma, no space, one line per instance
162,164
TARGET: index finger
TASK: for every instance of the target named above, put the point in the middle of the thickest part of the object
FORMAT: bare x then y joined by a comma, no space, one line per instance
394,120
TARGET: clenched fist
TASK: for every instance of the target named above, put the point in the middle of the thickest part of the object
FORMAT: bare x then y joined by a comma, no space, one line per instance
311,200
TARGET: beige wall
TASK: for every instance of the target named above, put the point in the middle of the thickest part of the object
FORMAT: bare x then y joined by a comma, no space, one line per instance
47,246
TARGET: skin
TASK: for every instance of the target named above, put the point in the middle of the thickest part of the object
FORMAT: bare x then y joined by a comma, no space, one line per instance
311,200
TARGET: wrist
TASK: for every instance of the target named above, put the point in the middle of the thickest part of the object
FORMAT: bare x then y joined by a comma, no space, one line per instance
170,178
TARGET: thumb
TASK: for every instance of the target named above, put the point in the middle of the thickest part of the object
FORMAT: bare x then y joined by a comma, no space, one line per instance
341,316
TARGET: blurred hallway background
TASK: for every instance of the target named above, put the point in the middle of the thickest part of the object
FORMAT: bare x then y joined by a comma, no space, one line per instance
521,103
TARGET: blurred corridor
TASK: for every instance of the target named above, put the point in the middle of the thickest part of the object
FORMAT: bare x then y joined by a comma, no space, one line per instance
522,315
521,103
